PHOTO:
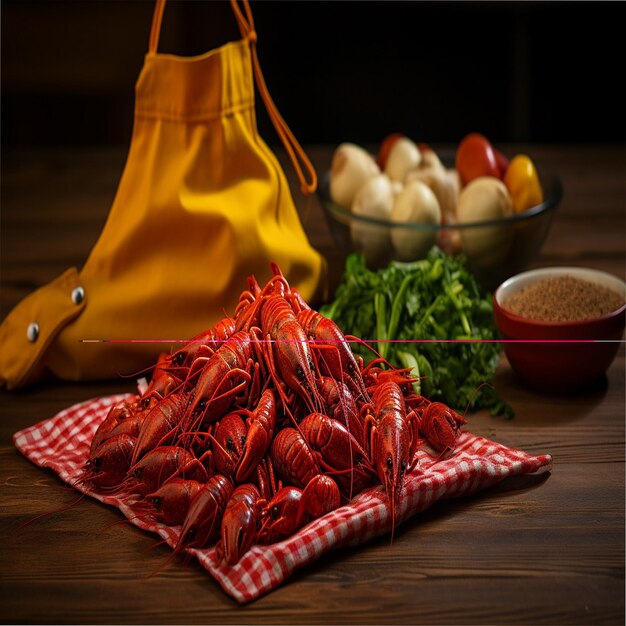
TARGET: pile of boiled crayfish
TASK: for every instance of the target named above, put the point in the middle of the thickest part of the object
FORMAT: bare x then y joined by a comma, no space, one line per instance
261,424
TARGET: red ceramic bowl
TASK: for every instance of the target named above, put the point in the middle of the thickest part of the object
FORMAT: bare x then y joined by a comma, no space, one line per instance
578,353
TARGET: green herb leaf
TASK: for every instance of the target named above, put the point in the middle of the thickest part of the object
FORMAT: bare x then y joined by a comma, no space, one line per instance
435,298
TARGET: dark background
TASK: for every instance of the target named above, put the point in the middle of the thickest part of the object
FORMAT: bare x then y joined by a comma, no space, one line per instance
540,72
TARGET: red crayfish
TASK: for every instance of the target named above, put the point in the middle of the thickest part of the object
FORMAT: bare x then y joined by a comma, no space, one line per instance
262,424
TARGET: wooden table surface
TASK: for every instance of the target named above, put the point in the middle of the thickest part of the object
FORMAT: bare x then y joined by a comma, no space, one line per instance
551,552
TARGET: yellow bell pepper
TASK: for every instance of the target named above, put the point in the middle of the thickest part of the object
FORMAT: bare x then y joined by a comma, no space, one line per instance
522,181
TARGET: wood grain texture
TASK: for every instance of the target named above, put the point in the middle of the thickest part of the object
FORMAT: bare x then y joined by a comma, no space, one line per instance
548,550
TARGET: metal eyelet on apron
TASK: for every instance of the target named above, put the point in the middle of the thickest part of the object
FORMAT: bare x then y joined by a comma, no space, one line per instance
32,332
78,295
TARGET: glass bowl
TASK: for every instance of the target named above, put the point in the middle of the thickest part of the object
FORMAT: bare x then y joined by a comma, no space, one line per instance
494,249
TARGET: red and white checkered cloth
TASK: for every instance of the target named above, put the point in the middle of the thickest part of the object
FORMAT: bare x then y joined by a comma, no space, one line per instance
62,443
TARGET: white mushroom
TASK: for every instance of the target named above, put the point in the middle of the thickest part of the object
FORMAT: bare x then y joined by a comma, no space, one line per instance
396,188
404,156
430,160
374,200
485,199
445,184
417,204
351,168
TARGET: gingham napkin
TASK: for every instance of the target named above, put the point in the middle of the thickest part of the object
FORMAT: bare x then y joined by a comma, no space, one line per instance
62,443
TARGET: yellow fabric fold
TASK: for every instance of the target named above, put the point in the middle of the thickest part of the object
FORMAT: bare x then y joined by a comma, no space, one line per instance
202,204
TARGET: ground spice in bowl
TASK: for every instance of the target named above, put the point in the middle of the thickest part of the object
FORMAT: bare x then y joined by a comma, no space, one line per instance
563,299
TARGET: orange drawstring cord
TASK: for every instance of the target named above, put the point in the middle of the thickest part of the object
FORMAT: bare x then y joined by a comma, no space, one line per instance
294,149
157,18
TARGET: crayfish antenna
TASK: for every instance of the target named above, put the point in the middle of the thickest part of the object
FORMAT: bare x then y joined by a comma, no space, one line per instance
378,359
136,373
178,548
164,564
123,488
469,402
393,516
62,509
118,522
393,520
156,544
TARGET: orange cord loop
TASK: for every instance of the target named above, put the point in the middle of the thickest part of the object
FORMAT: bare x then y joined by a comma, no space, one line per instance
297,155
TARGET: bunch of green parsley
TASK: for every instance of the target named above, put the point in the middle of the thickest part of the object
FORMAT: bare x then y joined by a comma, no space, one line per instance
433,299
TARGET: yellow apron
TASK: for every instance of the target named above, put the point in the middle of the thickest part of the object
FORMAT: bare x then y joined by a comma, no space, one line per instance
202,204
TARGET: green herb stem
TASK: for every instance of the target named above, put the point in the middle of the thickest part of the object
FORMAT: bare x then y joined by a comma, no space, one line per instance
434,298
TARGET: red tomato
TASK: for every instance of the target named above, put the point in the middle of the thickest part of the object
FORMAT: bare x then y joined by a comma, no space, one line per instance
475,157
424,147
385,149
502,162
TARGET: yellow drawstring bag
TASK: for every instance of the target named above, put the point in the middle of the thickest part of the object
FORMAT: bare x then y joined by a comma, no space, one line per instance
202,204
